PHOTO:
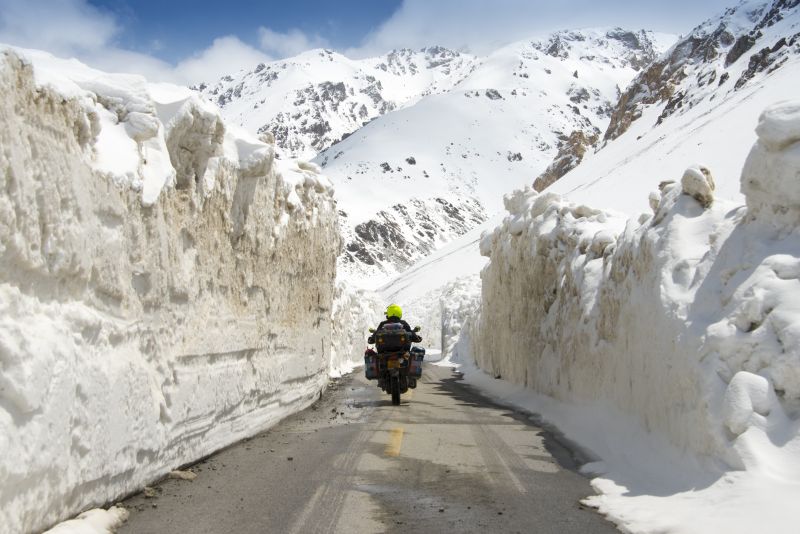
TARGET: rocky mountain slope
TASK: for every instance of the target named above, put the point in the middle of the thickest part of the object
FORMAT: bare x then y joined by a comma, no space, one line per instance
317,98
694,104
720,56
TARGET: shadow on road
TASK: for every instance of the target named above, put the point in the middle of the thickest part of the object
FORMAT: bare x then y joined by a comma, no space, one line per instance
567,454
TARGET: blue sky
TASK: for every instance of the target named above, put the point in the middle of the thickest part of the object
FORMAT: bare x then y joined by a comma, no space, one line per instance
191,41
173,29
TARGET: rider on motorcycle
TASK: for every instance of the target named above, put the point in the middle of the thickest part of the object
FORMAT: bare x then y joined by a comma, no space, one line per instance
394,314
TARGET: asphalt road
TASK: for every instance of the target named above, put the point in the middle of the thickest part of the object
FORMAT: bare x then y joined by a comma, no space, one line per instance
445,460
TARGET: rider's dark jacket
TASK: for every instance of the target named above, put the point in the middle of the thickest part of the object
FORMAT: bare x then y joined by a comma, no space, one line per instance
414,337
395,320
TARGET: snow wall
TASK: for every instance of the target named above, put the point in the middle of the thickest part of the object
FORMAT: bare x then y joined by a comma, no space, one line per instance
354,313
152,315
687,321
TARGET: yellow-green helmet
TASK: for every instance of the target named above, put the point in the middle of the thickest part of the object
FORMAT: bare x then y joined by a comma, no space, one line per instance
393,310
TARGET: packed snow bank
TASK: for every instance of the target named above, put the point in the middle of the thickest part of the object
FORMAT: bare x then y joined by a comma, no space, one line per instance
669,346
354,312
460,300
165,289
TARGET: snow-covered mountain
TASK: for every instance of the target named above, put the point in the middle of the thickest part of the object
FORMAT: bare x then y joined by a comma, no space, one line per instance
415,178
709,61
462,130
696,103
319,97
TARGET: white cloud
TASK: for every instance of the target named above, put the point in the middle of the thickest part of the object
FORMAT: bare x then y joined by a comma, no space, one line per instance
63,27
290,43
74,28
111,59
226,55
482,26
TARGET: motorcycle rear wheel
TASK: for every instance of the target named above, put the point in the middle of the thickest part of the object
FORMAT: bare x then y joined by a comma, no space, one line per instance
395,388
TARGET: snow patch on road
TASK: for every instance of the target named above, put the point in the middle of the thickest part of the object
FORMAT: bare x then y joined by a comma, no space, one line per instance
97,521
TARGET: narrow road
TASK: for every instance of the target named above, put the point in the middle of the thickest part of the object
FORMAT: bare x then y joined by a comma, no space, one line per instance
445,460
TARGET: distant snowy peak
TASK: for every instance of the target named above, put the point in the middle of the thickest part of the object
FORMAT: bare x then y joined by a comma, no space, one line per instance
405,61
723,54
636,49
318,98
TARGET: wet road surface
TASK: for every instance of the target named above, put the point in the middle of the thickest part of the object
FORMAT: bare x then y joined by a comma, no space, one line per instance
446,459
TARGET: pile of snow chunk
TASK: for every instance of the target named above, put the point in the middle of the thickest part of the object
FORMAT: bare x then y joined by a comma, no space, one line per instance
97,521
165,288
686,324
770,177
459,303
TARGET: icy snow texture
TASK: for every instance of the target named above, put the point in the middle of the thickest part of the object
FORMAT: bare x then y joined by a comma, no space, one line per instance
164,289
96,521
687,324
698,183
355,311
771,180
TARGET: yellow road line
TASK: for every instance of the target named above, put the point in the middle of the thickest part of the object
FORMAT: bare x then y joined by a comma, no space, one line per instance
395,441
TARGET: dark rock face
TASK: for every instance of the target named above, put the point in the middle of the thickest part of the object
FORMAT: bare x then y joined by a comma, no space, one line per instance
767,59
640,51
742,45
630,39
322,102
578,95
400,236
776,13
571,150
557,48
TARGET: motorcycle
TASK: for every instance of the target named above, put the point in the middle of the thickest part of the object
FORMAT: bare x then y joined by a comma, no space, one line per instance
395,363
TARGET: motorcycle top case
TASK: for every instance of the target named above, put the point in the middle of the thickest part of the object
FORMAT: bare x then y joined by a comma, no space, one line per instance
391,338
371,368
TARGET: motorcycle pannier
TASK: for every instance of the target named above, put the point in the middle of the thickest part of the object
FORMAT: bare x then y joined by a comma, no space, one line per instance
371,364
392,338
415,362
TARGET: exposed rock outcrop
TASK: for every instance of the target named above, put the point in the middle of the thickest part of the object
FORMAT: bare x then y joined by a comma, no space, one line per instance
571,150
